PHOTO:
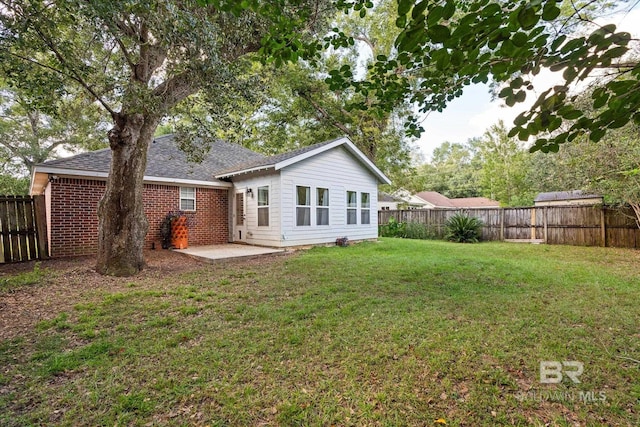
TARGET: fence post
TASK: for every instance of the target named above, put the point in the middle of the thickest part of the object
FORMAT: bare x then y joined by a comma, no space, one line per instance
533,223
501,224
545,222
40,210
603,228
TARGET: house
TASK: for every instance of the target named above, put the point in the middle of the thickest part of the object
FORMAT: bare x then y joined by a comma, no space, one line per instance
312,195
567,198
388,202
435,200
408,200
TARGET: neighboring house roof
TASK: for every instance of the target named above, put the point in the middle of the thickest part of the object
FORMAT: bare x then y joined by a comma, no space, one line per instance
386,197
474,202
409,199
554,196
280,161
436,199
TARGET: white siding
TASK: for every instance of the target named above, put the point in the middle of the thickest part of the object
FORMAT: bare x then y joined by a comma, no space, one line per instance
340,172
266,236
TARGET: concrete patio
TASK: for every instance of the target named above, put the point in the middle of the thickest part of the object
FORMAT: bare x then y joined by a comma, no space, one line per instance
227,251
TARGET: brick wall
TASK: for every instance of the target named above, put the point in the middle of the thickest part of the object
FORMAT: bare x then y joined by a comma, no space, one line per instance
74,219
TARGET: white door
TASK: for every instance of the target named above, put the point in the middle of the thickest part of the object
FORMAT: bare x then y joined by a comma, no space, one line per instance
239,216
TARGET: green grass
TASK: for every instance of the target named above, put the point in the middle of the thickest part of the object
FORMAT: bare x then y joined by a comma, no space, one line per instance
399,332
22,279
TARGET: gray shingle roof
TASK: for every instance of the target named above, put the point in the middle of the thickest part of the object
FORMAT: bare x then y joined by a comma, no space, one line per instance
166,160
386,197
273,160
564,195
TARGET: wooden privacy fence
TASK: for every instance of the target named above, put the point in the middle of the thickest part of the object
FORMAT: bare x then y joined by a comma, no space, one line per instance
562,225
23,228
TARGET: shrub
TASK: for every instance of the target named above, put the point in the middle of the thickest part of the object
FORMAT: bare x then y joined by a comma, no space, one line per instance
462,228
392,229
408,230
417,230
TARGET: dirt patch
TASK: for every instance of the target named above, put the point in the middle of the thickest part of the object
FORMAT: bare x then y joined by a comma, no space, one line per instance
69,280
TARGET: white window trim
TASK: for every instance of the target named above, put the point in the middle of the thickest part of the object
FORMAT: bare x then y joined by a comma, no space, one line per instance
327,207
268,206
309,206
195,197
348,208
362,208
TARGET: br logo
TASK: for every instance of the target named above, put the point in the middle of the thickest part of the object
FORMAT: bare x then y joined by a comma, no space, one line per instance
552,372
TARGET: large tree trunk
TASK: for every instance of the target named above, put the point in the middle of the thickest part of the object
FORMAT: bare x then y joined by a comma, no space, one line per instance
122,222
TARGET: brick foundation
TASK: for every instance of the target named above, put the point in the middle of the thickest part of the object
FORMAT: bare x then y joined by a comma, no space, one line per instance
74,218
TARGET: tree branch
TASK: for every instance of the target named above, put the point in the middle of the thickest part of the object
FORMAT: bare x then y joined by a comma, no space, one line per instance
325,114
365,39
125,53
74,74
172,91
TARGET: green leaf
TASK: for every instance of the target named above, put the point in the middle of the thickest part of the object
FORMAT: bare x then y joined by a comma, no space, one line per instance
438,33
550,11
601,100
520,120
557,42
527,18
615,52
596,135
569,74
404,6
571,114
516,83
419,9
401,21
449,10
505,92
519,39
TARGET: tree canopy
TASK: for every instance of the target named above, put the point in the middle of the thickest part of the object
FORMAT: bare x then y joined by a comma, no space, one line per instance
138,60
446,45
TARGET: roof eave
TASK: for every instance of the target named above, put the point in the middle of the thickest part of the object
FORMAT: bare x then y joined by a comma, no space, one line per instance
150,179
243,171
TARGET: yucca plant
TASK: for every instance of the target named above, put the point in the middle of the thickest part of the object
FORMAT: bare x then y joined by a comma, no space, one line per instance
462,228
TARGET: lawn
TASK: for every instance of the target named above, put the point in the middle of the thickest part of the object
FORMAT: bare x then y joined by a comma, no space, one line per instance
398,332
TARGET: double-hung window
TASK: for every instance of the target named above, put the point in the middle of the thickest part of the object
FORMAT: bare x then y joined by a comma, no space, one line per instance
322,206
303,205
263,206
365,208
352,207
187,198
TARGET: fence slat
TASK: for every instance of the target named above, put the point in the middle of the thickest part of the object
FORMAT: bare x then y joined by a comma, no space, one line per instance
568,225
23,228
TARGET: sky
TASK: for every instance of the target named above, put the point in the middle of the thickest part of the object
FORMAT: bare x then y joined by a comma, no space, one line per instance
474,112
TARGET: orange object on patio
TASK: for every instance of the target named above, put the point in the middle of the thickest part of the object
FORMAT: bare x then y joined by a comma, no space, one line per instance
179,233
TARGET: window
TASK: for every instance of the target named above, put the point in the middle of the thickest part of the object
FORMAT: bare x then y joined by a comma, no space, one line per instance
303,205
365,211
263,206
352,207
322,206
187,198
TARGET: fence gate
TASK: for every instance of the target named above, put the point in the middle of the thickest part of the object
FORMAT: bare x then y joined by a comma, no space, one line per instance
23,228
